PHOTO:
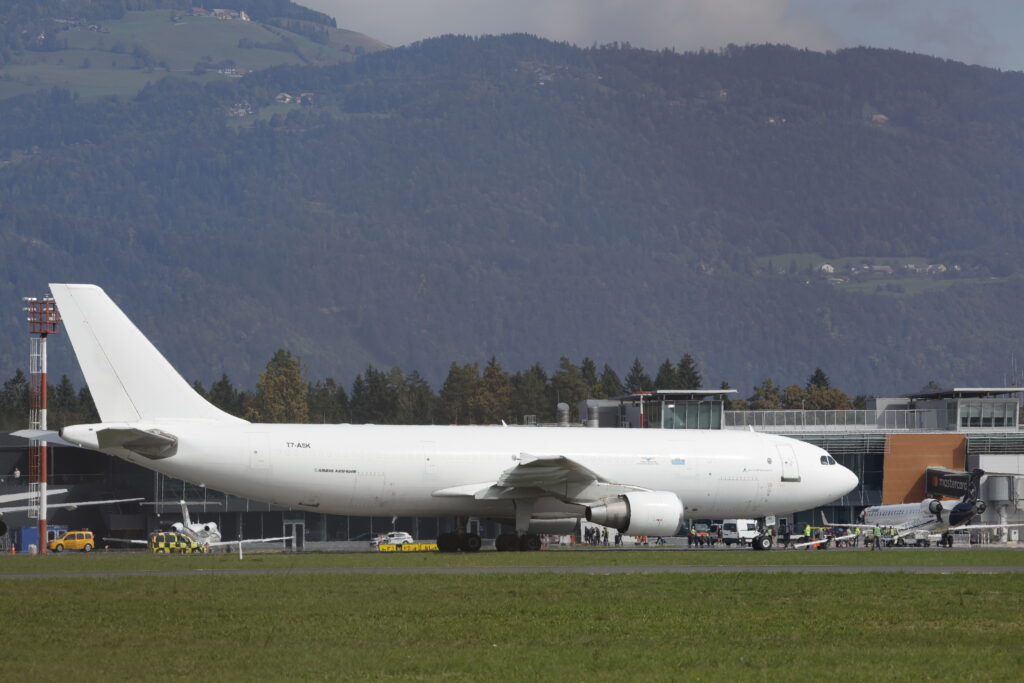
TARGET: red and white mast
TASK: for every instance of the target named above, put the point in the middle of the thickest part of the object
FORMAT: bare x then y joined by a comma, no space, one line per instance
43,319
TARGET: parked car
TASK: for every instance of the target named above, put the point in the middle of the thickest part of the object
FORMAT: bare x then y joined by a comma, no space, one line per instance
391,538
73,540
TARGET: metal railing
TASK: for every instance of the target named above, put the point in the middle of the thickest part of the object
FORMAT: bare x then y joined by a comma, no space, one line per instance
836,420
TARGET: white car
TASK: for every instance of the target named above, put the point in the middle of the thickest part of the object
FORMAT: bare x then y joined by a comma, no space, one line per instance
391,538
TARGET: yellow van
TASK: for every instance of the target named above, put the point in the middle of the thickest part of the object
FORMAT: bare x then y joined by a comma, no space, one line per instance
73,540
174,542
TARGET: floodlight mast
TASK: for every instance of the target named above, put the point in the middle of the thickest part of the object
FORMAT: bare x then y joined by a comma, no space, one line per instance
43,320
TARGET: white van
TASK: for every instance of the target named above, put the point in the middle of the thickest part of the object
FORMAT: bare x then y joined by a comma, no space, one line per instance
739,531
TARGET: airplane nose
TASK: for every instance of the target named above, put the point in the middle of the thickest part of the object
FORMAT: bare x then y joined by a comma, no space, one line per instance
848,480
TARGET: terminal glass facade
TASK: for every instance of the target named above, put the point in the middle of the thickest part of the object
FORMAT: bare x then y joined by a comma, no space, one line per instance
692,415
979,413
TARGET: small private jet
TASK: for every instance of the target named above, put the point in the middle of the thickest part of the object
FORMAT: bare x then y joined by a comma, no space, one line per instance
204,534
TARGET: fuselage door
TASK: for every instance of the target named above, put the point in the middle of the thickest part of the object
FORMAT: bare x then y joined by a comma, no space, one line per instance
790,470
259,452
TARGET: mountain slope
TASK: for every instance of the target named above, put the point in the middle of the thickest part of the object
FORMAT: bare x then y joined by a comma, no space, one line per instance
117,52
510,196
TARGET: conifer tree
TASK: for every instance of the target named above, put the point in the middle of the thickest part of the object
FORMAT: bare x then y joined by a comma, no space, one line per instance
280,392
687,374
637,379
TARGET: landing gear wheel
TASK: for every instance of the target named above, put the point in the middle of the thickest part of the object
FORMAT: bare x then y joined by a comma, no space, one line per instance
506,542
529,542
762,543
448,542
469,543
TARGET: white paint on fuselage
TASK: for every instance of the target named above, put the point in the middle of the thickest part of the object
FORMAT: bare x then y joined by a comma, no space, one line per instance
394,470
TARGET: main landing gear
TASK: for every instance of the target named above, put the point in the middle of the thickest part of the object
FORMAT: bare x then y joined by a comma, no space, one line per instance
510,542
763,541
454,541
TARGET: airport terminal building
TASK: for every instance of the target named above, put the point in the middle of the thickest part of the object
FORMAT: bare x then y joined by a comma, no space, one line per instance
902,450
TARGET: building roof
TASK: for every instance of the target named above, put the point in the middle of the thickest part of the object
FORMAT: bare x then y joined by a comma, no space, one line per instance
968,392
677,394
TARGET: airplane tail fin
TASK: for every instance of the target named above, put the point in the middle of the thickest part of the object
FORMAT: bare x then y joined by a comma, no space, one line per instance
128,378
184,515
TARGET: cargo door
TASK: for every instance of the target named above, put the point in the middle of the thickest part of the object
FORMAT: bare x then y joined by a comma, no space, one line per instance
790,470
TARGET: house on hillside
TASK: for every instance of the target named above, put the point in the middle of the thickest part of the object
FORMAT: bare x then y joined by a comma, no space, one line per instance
826,268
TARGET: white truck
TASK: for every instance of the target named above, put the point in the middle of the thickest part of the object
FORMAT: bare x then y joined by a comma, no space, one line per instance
739,531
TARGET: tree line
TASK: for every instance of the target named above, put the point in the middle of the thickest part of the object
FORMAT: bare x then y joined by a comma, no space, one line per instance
470,394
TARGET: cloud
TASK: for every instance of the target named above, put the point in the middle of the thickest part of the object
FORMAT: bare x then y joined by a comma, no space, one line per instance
682,24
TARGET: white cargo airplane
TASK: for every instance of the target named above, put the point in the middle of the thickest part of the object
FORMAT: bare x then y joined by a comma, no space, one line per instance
538,480
930,516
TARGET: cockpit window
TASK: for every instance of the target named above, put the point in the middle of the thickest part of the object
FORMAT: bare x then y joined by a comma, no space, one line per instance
824,460
828,460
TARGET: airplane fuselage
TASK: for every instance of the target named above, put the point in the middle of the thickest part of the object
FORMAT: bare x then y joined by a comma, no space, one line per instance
396,470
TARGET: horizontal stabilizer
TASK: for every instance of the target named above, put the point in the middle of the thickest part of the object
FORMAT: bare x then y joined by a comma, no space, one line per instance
48,435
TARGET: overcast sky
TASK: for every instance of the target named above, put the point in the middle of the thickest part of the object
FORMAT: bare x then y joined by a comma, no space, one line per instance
977,32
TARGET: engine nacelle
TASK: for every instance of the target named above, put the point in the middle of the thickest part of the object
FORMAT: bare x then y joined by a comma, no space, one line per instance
980,507
178,526
645,513
934,506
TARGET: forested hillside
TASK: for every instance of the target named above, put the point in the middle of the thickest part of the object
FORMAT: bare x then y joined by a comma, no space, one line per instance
465,198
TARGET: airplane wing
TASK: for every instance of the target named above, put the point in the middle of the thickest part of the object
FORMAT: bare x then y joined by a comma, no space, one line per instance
126,540
982,526
250,540
67,505
11,497
543,475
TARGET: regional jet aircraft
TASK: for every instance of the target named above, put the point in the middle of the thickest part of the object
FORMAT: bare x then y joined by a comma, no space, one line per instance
536,480
930,516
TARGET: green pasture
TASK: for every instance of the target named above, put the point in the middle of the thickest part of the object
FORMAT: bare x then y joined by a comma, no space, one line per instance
546,626
179,45
140,560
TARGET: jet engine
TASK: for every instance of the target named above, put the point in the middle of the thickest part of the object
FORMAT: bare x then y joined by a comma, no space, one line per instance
980,507
935,506
645,513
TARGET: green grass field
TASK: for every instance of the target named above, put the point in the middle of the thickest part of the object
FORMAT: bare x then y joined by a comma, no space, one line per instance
179,45
142,561
544,626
